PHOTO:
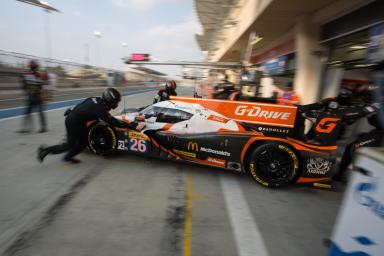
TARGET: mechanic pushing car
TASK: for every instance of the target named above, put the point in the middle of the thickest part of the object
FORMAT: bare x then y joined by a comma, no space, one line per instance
164,93
90,109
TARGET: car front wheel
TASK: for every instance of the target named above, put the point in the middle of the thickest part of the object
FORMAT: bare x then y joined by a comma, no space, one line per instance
101,139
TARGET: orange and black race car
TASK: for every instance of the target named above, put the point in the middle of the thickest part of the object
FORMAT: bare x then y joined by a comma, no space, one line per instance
265,140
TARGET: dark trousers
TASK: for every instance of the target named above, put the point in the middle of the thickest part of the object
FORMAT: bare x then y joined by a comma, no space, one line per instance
76,140
373,138
34,103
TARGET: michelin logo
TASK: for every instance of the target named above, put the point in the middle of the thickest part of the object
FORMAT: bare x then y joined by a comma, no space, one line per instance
216,152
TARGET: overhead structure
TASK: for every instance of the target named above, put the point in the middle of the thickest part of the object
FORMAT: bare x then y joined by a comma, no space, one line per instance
229,65
215,17
40,4
150,71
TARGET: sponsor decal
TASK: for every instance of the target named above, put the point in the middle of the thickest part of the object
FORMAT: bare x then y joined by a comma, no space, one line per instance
364,195
292,154
121,144
193,146
318,166
216,161
138,135
321,185
216,152
327,124
254,111
184,153
272,129
364,143
217,119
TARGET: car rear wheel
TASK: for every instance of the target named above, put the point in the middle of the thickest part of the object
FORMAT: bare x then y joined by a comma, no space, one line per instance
273,164
101,139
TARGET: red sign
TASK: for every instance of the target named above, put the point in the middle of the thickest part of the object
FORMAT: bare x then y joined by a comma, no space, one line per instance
139,57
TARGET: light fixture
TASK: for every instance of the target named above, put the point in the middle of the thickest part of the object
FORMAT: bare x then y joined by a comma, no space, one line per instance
256,39
97,33
357,47
363,65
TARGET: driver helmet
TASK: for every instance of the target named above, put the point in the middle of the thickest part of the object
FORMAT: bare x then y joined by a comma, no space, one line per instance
171,84
33,65
111,97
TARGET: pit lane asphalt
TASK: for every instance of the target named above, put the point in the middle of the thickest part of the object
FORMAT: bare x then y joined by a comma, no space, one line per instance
129,205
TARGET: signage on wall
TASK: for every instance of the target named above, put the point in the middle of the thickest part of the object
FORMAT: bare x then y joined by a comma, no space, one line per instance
375,51
275,66
139,57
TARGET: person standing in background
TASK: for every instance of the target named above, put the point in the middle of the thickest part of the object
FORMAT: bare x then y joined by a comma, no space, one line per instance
33,82
289,97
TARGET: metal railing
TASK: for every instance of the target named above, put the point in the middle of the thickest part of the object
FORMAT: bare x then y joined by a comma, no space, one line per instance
66,73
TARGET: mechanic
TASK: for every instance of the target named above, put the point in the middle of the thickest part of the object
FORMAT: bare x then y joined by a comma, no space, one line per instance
76,119
350,108
373,138
33,82
288,97
164,93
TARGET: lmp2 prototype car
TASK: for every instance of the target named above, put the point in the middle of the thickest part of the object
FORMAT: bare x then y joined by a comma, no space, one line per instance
255,138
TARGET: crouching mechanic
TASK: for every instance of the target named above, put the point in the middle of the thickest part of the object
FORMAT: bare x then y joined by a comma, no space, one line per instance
75,122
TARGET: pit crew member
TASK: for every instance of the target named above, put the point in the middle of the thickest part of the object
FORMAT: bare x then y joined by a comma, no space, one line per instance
76,124
164,93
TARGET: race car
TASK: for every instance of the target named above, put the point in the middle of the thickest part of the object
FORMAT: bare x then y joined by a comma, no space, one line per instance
256,138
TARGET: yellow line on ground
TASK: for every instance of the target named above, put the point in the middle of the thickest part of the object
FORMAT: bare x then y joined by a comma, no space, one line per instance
188,217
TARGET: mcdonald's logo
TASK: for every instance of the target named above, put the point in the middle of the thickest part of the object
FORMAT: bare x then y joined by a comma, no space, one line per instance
326,125
193,146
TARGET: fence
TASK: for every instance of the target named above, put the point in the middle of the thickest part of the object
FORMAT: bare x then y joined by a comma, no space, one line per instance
64,73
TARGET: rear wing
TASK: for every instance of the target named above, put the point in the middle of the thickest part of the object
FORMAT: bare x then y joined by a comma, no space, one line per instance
248,112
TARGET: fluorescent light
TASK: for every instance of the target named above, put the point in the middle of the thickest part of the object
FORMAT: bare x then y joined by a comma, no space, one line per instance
357,47
363,65
256,39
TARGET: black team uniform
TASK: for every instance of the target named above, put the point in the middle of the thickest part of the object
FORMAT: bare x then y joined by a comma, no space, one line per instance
164,93
94,108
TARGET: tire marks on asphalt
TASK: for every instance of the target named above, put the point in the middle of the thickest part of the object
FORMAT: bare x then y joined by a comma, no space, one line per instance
25,238
174,224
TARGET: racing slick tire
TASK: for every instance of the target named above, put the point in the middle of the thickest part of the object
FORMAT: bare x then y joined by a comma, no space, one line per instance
273,164
101,139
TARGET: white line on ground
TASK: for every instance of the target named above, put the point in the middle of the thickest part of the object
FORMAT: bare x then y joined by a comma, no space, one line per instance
247,235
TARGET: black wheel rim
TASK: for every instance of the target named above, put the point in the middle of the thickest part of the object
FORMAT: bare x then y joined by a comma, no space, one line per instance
101,139
274,165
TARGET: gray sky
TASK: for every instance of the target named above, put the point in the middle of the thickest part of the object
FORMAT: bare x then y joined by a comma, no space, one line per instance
163,28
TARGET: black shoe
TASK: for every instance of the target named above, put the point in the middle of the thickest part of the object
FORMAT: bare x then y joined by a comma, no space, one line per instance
24,131
43,130
72,160
41,153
